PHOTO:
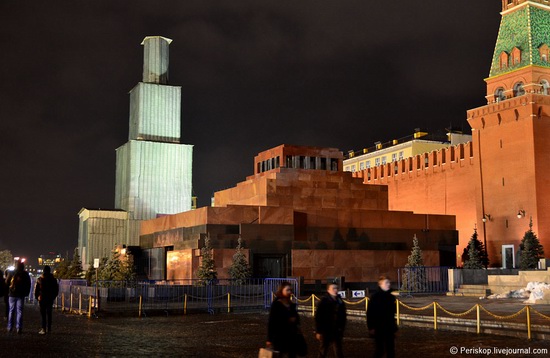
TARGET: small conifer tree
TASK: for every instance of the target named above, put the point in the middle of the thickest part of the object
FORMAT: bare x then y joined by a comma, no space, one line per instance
480,248
474,255
415,258
413,275
531,249
207,269
239,270
75,267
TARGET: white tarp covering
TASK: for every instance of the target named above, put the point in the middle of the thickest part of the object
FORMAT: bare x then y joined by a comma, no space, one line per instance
533,291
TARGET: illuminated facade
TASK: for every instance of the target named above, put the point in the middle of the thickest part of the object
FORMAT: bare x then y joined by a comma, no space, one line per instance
153,170
399,149
299,214
51,259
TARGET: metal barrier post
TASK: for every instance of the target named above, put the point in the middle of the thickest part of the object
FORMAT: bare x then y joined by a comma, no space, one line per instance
80,303
228,302
90,308
185,304
435,316
63,302
71,304
397,311
478,319
366,304
313,305
528,312
140,306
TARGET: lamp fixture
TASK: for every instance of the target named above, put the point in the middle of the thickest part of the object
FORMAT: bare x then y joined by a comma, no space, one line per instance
521,214
486,217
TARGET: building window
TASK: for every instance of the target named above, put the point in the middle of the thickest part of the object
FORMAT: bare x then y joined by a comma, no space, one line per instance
377,161
401,155
384,160
544,52
516,56
499,94
368,163
346,169
394,157
518,89
353,168
545,87
503,60
334,165
324,164
361,165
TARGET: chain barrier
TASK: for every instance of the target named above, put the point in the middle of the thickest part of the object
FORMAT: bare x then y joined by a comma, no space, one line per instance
416,308
462,314
540,314
514,315
355,302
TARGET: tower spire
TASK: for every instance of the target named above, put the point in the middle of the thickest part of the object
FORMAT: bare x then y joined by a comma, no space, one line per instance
155,59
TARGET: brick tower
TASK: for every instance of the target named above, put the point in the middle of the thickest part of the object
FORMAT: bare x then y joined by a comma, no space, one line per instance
510,133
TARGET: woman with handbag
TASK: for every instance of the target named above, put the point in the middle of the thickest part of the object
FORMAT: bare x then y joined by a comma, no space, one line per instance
283,328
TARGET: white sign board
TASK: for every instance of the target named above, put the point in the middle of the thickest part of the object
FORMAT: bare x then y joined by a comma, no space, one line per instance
96,263
358,294
342,294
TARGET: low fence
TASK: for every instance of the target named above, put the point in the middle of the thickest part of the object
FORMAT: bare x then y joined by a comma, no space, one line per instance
170,297
144,298
423,279
309,304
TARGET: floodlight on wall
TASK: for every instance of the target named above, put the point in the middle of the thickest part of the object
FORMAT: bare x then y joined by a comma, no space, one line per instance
521,214
486,217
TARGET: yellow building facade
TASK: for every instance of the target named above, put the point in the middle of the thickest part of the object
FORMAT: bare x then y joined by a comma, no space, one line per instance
398,149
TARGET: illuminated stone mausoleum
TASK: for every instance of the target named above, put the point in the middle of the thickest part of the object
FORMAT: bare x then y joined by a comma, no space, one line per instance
299,214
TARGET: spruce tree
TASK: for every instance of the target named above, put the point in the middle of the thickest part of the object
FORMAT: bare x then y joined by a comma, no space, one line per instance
480,248
415,258
62,270
531,249
239,270
75,267
474,255
207,269
413,275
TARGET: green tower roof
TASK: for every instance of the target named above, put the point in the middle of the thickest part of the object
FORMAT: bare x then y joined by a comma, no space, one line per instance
526,27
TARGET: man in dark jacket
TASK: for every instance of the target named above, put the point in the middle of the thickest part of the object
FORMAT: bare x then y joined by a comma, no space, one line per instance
330,322
45,292
4,291
19,288
381,319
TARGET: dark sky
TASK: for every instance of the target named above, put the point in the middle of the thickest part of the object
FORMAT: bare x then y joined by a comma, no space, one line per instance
255,74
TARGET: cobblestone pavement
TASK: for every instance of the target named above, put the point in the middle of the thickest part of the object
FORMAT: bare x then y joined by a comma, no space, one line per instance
221,335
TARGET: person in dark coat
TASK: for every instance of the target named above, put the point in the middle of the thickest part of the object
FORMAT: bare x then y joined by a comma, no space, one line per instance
4,292
19,288
330,322
381,319
45,292
283,328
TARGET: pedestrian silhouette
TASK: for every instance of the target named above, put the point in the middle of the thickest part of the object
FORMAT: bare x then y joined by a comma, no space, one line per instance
330,322
45,292
381,319
19,288
283,328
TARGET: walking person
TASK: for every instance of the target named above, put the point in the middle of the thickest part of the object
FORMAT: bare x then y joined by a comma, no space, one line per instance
330,322
381,319
19,288
4,292
283,328
45,292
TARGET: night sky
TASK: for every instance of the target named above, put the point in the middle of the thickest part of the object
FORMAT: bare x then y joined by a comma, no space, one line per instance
254,74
